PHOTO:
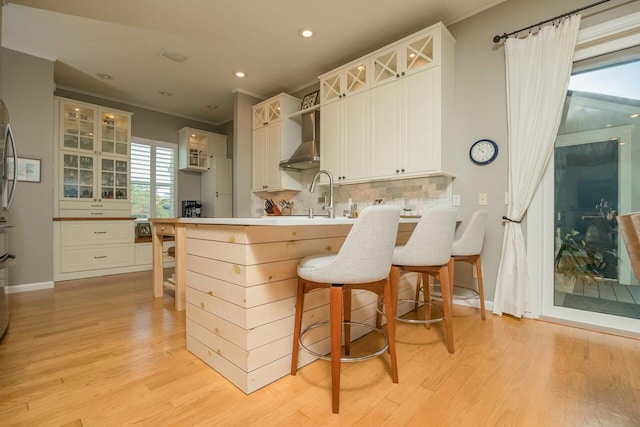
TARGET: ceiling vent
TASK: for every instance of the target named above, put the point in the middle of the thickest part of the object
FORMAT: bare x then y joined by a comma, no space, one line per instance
174,56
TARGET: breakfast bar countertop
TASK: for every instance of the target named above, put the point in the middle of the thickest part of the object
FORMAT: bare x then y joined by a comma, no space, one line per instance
271,220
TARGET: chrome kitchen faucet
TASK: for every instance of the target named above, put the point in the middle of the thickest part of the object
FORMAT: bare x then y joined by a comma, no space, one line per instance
330,209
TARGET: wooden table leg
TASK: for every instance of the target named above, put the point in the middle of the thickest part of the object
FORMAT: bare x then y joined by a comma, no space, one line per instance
158,278
180,258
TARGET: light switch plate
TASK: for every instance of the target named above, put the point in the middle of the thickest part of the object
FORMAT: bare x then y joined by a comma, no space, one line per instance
483,199
455,200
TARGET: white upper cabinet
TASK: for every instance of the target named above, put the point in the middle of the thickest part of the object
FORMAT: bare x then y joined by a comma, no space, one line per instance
195,147
344,145
93,165
268,112
346,81
408,120
410,56
275,137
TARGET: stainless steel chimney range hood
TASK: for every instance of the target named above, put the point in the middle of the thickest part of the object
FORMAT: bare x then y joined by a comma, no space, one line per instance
307,155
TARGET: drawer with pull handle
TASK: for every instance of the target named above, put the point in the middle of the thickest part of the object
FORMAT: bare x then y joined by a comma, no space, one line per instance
82,258
76,233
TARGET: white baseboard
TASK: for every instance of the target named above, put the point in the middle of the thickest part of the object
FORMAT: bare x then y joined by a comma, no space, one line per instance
488,305
14,289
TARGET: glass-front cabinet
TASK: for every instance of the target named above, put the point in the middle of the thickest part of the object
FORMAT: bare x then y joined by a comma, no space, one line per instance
79,127
93,162
348,80
114,136
406,58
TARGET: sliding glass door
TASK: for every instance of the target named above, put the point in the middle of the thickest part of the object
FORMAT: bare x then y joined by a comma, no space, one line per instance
594,176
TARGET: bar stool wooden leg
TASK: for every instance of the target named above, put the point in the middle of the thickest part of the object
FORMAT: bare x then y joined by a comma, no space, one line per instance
391,324
426,297
347,318
419,284
335,320
297,326
445,285
478,265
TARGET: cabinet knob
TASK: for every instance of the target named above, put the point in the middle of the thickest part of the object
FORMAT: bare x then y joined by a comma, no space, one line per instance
397,75
403,73
402,170
344,94
397,171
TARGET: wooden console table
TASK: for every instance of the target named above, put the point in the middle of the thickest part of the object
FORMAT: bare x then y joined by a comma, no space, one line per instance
163,227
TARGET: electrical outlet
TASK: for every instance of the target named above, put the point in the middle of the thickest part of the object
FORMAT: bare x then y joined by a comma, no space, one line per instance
455,200
483,199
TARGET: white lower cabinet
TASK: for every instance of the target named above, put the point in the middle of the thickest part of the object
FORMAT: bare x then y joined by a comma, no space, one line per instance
86,248
90,248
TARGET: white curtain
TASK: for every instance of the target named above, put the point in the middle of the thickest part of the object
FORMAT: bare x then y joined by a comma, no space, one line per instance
538,72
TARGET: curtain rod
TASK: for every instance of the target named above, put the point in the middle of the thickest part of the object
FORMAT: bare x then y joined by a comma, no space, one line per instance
496,39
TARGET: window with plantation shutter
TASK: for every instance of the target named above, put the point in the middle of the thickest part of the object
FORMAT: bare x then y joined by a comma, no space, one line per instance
153,179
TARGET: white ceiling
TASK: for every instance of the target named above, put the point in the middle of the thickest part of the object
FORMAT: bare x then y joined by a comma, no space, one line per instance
123,38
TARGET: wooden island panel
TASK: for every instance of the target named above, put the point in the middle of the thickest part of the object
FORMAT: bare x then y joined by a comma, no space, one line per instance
240,296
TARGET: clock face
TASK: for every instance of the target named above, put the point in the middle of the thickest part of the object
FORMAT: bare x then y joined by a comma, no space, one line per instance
483,152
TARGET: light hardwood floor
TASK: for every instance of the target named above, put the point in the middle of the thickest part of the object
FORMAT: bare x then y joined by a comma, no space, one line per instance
103,352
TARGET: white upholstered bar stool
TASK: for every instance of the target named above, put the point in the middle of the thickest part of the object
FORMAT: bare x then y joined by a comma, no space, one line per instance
363,262
428,252
467,248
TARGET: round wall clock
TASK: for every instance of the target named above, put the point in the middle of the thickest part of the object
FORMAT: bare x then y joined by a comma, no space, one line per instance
483,152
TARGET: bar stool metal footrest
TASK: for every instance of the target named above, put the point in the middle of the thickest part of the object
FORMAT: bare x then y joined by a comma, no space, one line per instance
462,294
346,359
422,321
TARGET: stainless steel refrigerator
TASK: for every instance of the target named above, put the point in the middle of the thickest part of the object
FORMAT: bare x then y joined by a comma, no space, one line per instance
8,180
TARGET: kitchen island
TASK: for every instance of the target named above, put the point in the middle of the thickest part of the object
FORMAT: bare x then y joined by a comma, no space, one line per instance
238,280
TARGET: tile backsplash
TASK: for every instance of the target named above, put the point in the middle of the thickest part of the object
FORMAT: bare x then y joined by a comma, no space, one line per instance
417,194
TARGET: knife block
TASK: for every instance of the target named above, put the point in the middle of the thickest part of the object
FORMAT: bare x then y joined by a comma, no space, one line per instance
276,211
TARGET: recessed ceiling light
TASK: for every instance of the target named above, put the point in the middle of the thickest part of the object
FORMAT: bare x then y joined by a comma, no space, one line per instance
633,116
174,56
240,74
305,32
212,106
104,76
165,93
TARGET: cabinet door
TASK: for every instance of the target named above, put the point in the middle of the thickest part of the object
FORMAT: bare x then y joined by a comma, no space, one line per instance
331,140
385,130
357,140
386,66
114,178
78,176
224,176
259,116
356,77
273,156
114,133
420,52
78,127
224,206
259,154
274,111
421,149
330,88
